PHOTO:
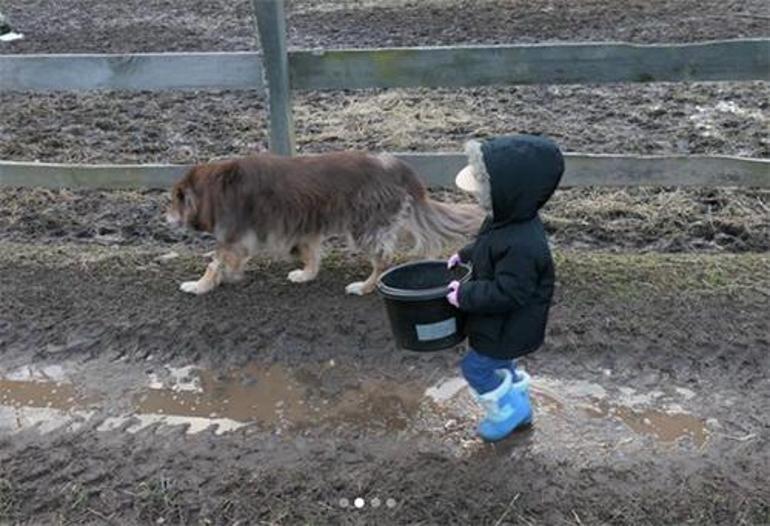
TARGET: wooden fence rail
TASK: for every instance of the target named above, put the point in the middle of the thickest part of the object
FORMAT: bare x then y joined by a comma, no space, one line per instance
143,71
454,66
592,63
437,169
279,72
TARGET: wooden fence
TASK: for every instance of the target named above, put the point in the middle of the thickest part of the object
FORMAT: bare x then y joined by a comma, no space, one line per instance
278,72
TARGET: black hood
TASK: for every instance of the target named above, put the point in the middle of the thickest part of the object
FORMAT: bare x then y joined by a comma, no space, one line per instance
522,171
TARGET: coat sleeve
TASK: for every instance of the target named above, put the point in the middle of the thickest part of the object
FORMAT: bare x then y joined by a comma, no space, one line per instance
514,284
466,253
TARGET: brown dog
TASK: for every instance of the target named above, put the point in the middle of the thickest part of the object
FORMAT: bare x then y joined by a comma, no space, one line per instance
280,205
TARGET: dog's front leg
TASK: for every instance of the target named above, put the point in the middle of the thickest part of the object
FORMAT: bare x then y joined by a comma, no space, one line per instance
310,255
210,279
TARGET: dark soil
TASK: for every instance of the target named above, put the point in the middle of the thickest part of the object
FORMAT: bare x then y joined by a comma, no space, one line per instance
709,118
713,220
88,280
635,316
81,26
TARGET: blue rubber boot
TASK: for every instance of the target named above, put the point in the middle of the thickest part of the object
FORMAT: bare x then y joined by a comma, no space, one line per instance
507,407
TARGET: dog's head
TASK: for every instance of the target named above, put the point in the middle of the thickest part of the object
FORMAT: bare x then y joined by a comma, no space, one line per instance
184,209
206,194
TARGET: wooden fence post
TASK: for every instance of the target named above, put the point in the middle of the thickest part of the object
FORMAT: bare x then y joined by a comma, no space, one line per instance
271,29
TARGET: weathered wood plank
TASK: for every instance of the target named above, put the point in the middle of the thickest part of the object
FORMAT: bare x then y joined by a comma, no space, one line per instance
146,71
271,25
50,175
438,170
460,66
584,169
396,67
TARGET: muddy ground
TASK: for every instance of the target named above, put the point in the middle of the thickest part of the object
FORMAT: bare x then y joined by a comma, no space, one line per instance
80,26
641,219
124,401
651,394
704,118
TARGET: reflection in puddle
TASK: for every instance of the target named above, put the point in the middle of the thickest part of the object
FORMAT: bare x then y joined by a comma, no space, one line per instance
651,413
30,397
273,397
280,399
663,426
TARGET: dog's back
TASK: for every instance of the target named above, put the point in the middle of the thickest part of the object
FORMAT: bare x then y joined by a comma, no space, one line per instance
276,204
293,197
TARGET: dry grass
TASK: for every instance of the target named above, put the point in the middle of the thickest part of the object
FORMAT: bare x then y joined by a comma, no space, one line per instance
181,127
302,7
360,120
656,118
656,219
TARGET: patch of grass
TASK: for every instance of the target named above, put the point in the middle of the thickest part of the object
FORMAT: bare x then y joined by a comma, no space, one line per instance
359,121
75,497
9,501
157,500
634,276
324,6
670,220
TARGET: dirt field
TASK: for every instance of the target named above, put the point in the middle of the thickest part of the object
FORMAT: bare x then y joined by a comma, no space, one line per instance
649,410
643,219
80,26
124,401
708,118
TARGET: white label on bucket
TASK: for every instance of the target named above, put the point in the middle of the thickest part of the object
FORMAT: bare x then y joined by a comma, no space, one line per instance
436,331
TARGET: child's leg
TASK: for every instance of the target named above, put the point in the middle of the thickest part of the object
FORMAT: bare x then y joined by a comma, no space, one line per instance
505,397
479,371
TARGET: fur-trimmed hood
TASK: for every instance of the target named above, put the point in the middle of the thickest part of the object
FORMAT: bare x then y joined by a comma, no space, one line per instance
517,175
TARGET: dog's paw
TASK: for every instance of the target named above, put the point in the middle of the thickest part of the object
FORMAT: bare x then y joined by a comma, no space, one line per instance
359,288
192,287
300,276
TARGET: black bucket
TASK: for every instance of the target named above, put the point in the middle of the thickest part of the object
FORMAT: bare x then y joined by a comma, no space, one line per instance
415,297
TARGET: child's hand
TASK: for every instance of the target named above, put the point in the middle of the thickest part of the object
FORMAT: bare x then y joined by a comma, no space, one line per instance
453,297
454,261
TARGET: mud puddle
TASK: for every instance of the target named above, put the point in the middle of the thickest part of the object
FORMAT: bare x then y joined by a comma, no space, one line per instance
655,415
39,397
569,415
271,398
662,426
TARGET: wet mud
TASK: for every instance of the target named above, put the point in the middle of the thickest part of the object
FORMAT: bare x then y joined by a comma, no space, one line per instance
139,403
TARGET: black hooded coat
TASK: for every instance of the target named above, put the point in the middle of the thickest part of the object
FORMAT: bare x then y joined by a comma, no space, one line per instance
510,292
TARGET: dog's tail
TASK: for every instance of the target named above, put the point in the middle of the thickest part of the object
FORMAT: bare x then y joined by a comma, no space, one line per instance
435,225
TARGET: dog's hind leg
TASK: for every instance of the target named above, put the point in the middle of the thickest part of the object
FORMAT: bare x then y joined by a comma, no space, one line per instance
380,244
234,261
310,255
361,288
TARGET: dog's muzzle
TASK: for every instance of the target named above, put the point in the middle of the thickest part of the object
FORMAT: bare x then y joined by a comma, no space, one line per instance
173,219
